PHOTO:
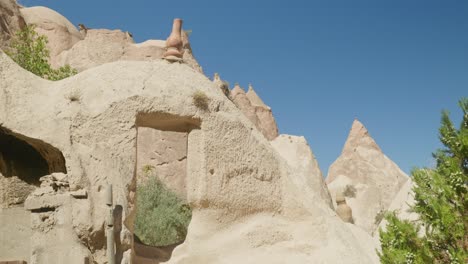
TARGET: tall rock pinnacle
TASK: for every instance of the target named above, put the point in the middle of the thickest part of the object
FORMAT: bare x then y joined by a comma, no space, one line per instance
368,178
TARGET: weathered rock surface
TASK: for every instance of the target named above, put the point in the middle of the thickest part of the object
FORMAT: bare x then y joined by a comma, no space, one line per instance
401,204
248,204
297,153
61,34
255,110
267,123
82,49
11,21
102,46
240,99
15,234
368,178
163,154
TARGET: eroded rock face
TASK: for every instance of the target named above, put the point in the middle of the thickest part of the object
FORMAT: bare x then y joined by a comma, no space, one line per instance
86,48
11,21
297,153
368,178
401,204
163,154
267,123
241,100
60,33
255,110
244,195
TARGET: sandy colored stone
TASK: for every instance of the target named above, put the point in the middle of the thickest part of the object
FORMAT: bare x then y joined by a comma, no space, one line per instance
60,33
401,204
162,154
373,177
222,85
267,123
240,99
13,191
299,156
245,197
15,234
11,21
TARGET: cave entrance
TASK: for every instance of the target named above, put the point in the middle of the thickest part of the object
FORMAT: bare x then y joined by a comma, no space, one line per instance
162,212
23,160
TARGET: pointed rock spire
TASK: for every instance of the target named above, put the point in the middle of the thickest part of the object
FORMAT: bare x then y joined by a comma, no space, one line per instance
359,137
254,98
222,85
371,178
237,90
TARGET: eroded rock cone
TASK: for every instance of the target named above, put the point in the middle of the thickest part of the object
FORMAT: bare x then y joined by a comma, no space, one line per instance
174,42
370,180
342,209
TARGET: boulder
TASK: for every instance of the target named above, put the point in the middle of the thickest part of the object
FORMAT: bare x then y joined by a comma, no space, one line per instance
11,21
60,32
368,178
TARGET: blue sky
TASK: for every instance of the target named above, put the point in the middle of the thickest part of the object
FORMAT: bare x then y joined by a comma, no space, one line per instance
394,65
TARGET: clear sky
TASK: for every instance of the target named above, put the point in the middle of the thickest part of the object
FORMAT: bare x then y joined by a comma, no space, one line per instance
392,64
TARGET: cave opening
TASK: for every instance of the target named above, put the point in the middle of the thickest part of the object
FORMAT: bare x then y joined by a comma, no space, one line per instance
23,161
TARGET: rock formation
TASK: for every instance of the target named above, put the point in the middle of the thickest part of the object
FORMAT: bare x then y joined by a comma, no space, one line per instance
246,198
256,197
342,209
86,48
264,114
174,42
60,33
222,85
368,178
241,100
255,110
297,153
401,204
11,21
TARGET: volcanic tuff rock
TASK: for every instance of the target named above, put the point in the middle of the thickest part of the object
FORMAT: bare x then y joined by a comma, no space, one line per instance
248,203
298,154
81,50
267,123
401,204
60,33
256,110
369,179
10,21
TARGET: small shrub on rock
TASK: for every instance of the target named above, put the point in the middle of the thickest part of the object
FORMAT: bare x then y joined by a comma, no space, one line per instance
162,218
200,100
350,191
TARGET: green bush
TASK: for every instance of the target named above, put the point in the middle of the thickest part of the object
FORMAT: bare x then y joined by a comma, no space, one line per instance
162,217
29,50
441,202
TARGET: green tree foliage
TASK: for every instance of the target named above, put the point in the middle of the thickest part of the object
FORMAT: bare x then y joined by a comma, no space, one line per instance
29,50
162,217
441,202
